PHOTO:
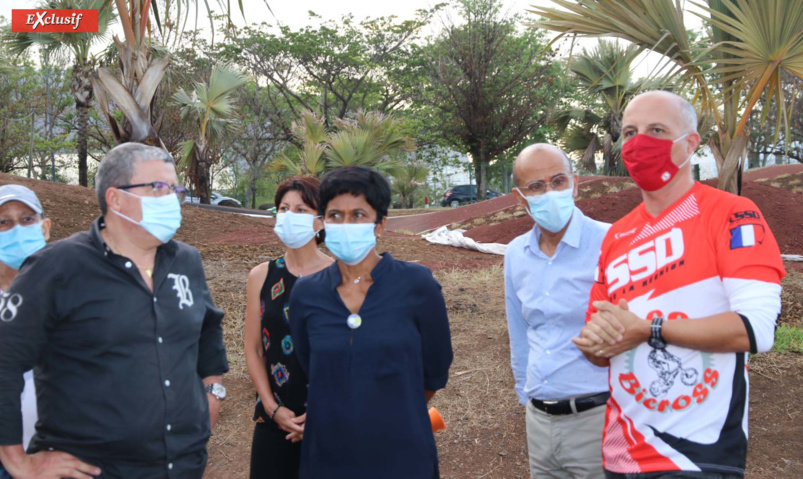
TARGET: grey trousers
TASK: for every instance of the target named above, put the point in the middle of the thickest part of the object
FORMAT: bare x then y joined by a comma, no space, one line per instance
567,446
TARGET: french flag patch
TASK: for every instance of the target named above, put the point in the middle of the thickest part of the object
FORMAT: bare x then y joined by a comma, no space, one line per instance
745,236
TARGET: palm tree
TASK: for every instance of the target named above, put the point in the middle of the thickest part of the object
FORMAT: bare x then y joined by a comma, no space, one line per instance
407,180
604,73
210,112
371,139
141,70
78,45
309,159
752,43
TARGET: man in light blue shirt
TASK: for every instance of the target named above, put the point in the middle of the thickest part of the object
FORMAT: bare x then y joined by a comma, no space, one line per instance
548,276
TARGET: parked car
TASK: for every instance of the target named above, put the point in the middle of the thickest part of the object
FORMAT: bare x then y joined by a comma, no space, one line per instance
464,194
215,199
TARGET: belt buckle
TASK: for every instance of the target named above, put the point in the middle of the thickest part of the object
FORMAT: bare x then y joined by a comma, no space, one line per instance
548,407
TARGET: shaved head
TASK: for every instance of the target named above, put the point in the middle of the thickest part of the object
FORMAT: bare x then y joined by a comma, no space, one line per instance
539,153
673,104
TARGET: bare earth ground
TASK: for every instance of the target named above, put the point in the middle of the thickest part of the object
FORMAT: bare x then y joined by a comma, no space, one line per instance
485,434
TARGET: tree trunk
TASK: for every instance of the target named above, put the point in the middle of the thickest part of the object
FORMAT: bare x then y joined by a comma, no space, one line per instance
481,173
202,175
610,158
82,93
730,162
482,181
83,179
253,194
587,162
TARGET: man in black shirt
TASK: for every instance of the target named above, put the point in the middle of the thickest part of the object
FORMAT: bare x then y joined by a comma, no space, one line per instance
124,338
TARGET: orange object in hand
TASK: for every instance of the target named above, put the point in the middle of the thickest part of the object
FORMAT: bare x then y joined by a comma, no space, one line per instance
437,420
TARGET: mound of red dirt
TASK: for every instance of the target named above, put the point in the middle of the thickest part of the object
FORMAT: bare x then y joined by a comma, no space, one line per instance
770,172
591,186
429,221
73,208
782,209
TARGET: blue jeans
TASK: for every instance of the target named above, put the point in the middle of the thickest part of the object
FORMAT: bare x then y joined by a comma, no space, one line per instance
3,473
672,475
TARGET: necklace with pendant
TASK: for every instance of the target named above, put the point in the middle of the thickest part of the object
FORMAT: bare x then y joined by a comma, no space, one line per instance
111,246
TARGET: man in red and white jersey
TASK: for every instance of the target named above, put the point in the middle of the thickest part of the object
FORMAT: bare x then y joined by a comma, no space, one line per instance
687,284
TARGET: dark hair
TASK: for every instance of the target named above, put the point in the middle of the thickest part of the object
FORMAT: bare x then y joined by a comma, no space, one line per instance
308,187
356,180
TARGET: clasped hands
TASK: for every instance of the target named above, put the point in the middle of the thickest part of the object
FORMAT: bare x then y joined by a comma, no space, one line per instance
288,422
612,330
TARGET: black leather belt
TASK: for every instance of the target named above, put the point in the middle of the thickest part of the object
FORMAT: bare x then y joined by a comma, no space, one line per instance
564,406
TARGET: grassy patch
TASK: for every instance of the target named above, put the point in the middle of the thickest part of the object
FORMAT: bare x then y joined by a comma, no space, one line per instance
789,182
788,339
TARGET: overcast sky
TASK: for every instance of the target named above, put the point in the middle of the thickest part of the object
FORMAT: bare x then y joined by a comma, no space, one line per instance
294,13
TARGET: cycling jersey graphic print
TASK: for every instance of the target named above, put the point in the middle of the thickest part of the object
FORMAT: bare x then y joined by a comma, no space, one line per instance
677,408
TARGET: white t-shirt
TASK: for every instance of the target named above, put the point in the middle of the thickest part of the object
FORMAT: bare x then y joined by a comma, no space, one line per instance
29,416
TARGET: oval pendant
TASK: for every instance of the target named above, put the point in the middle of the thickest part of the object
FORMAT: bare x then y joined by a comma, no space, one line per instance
354,321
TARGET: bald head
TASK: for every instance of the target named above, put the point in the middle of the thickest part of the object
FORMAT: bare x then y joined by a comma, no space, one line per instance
539,156
665,104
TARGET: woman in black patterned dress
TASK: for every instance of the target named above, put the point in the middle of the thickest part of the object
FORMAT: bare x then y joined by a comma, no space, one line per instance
280,383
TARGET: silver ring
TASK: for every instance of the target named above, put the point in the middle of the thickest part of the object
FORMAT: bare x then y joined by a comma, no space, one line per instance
600,351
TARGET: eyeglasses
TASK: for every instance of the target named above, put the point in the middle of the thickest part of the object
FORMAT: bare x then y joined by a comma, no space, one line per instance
7,224
159,188
558,183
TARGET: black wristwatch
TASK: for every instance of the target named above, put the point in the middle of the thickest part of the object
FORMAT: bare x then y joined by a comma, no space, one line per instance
656,338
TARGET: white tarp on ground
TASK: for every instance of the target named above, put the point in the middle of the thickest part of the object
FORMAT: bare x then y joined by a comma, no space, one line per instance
445,237
455,238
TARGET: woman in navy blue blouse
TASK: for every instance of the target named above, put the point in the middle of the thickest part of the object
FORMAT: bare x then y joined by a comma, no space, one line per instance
373,336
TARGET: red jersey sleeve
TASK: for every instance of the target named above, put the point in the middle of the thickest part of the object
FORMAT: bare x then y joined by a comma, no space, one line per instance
745,246
599,290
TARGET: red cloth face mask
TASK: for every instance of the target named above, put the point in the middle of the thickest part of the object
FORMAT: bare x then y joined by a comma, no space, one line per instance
649,161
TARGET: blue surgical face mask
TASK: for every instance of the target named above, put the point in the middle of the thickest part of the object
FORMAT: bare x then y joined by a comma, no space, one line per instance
294,229
552,210
161,215
350,242
20,242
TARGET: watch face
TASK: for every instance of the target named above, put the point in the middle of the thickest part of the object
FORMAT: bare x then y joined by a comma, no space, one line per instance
218,391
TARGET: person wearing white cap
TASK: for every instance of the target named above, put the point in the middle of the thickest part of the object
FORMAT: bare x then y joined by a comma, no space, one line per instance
23,231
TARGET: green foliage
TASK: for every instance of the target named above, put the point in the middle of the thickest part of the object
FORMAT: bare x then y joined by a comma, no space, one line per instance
751,45
788,339
209,112
334,68
371,139
486,85
25,146
594,123
767,140
407,180
209,109
77,46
